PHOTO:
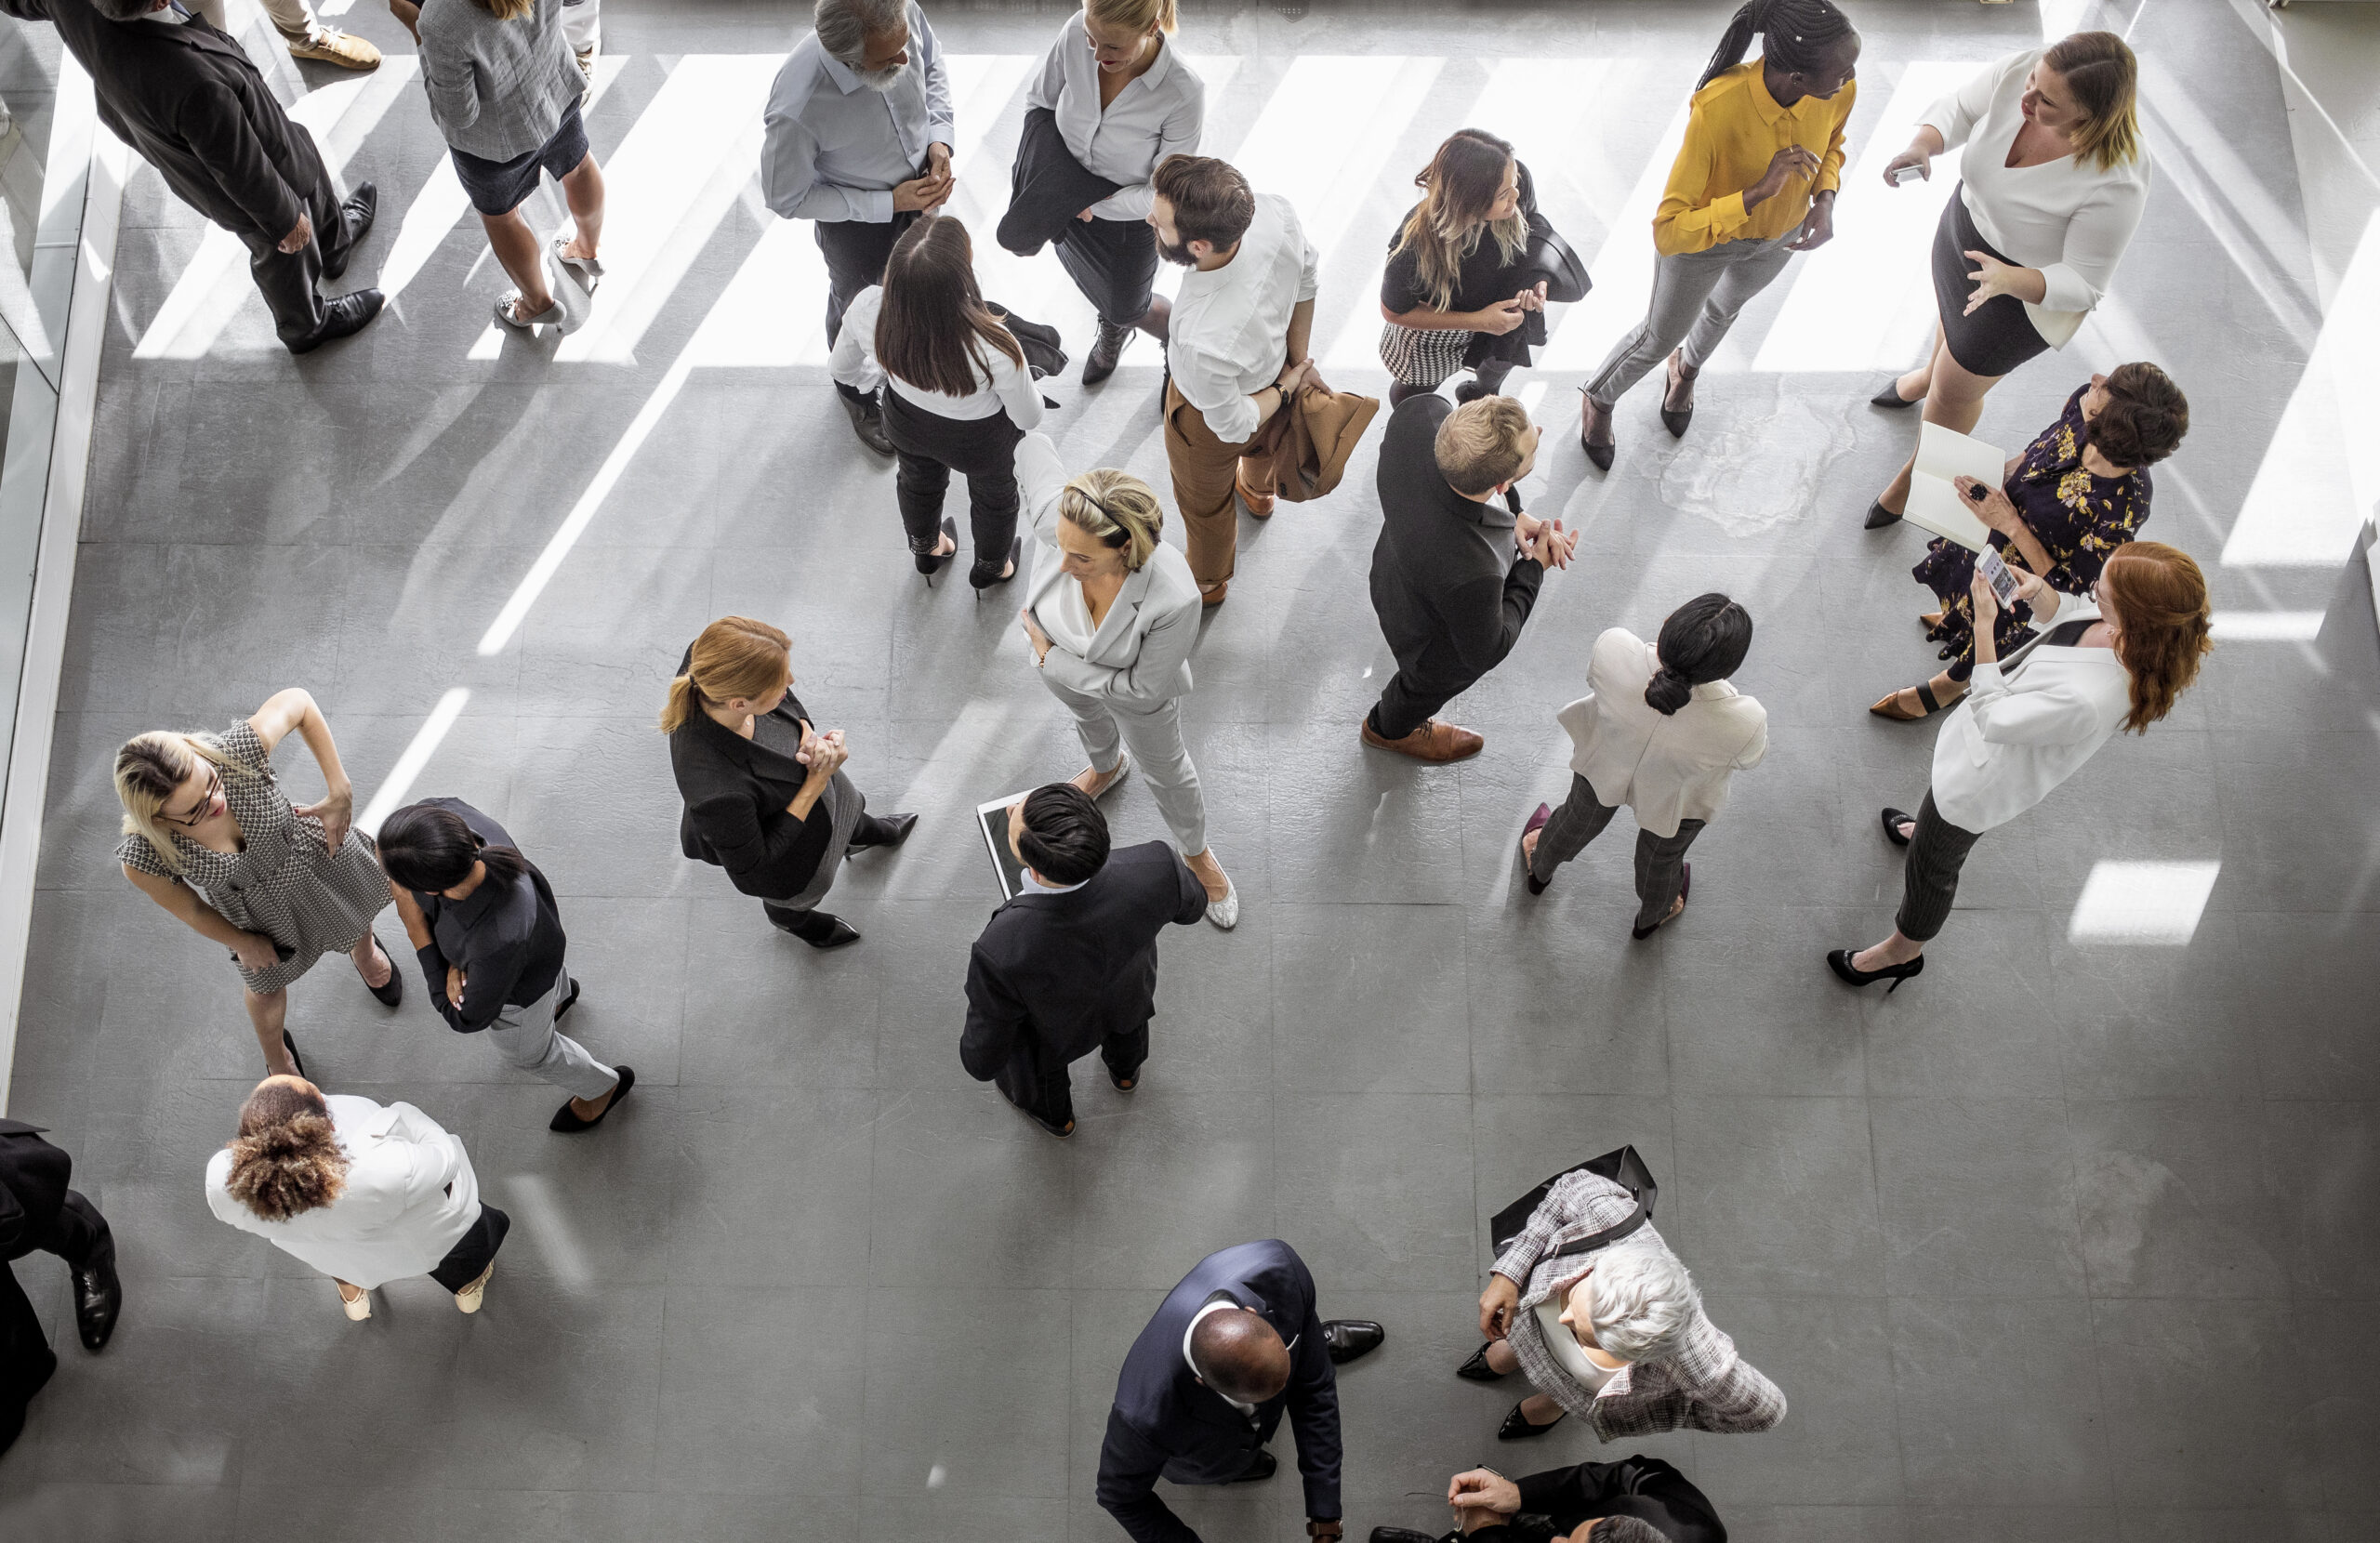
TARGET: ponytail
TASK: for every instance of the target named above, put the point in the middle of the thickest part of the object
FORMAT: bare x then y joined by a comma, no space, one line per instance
1704,640
735,657
1795,33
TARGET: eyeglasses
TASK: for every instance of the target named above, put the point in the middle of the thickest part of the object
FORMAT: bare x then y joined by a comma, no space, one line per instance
206,802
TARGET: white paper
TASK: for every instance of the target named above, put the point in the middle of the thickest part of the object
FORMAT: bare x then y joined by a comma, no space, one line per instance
1934,502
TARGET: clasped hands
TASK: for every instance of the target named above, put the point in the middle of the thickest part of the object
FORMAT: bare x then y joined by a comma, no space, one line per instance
1545,540
931,190
1506,315
823,752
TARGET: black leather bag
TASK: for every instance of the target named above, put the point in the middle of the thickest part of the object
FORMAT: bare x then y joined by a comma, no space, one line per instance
1622,1167
1565,276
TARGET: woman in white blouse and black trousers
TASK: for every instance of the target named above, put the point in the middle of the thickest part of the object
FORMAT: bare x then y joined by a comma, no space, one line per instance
1124,102
957,395
2051,186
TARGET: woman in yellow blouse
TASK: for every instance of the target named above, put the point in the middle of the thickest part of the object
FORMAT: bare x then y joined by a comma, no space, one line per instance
1753,184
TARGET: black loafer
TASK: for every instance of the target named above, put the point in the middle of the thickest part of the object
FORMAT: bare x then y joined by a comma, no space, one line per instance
566,1002
393,990
346,315
1893,820
99,1295
569,1124
1263,1467
1349,1339
1517,1428
1879,517
359,209
1477,1370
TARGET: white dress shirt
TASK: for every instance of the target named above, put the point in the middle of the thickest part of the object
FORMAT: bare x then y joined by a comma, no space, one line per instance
1230,332
1155,115
2066,217
833,148
2022,731
1667,768
410,1198
1008,387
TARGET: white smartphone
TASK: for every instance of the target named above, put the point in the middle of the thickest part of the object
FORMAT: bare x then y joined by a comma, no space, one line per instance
1901,175
1996,573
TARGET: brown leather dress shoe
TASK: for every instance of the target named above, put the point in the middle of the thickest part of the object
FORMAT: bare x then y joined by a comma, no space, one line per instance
1259,504
1434,742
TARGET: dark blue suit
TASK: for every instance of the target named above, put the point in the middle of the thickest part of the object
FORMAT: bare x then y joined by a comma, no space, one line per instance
1167,1423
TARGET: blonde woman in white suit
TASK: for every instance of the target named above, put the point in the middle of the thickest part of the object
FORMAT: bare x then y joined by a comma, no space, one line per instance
1660,731
2119,658
1112,615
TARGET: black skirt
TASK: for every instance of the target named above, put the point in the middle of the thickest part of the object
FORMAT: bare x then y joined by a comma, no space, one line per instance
1999,337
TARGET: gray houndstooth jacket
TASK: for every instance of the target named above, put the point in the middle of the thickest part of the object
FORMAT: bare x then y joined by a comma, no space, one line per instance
498,89
1703,1385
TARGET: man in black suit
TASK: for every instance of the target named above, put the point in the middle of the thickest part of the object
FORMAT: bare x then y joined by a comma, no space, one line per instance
1069,965
38,1211
1236,1345
1448,587
1638,1499
186,96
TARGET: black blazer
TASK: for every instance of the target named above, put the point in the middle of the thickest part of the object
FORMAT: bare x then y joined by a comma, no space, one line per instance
1166,1422
1053,975
190,101
736,791
33,1177
1644,1487
1449,608
1048,189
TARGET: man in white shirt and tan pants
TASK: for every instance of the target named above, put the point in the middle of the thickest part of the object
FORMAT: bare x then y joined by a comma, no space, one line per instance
1236,344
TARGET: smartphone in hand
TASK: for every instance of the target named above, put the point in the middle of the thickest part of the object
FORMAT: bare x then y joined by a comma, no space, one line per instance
1902,176
1996,573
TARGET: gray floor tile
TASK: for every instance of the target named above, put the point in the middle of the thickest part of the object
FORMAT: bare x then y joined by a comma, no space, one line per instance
1376,1187
1979,1197
1368,1003
1973,1409
80,1512
2152,1356
729,1359
1783,1192
2174,1203
986,1415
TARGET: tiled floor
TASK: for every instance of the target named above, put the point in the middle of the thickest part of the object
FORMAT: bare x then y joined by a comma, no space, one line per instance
2074,1239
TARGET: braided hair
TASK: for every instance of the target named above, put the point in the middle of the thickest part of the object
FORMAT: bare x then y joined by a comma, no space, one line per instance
1795,34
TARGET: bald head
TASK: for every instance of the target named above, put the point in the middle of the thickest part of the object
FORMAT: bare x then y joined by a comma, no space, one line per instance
1240,1356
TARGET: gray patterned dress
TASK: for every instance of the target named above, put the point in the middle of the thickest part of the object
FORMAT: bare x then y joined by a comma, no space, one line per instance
285,882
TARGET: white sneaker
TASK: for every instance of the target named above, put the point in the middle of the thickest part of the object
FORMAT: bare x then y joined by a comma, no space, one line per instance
1224,913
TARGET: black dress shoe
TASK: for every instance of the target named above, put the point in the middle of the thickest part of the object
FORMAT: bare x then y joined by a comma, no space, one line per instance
566,1119
1477,1370
819,929
358,211
1516,1426
566,1002
897,827
1346,1339
391,991
99,1295
348,316
1263,1467
868,422
1409,1535
1879,517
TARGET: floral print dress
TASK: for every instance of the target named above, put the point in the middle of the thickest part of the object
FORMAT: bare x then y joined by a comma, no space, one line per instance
2079,518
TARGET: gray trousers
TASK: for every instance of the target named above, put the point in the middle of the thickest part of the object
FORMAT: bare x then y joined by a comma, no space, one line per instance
1696,297
1660,860
1930,874
1155,739
527,1038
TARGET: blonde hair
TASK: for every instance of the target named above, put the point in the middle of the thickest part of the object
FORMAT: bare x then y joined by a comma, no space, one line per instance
2164,625
1459,185
736,656
507,10
1137,14
2104,78
1118,509
148,769
1481,444
286,1160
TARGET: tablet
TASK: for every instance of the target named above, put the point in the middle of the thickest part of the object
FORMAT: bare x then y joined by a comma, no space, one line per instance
992,820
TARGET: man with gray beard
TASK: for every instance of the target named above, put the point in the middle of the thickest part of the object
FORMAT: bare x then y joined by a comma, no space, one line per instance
858,141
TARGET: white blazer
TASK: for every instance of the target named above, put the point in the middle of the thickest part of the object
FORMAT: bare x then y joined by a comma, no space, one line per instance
2069,219
410,1198
1667,769
1139,660
2022,731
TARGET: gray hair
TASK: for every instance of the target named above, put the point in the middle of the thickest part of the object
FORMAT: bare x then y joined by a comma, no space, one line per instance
844,25
1625,1529
1644,1300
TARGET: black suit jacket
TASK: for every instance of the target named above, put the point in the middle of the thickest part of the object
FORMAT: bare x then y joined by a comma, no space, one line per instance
1055,975
33,1177
1166,1422
1644,1487
189,100
736,792
1048,189
1448,606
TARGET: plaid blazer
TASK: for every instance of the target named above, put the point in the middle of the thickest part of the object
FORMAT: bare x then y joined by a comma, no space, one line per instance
498,89
1703,1384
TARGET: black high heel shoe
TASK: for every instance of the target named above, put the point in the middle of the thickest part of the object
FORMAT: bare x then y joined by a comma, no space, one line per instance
1477,1370
931,564
1891,399
1852,975
983,576
1516,1426
1878,516
391,991
1893,819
